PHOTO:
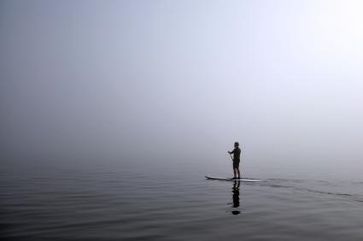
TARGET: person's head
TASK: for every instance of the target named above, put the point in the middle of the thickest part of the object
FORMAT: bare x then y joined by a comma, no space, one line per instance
236,144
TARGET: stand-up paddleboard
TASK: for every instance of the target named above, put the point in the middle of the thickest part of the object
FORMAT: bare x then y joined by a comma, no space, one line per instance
232,179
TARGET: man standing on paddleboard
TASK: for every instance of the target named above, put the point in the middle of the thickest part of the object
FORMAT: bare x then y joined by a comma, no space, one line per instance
236,159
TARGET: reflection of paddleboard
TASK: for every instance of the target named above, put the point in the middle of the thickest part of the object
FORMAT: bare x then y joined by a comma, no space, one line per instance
231,179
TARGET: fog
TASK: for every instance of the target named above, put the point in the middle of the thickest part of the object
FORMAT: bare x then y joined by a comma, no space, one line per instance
182,80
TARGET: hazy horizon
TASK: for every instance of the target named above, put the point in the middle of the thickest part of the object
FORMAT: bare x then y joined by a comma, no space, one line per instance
183,80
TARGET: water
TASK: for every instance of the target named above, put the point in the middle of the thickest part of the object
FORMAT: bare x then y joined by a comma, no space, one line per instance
122,202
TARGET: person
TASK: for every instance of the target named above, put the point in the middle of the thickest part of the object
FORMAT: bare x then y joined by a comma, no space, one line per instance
236,159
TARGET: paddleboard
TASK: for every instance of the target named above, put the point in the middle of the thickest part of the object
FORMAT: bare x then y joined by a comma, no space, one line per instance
231,179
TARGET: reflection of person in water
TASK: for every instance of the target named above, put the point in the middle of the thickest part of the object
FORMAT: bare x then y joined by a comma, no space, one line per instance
235,197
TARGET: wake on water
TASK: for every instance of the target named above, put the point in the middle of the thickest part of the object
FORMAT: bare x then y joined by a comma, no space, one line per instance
311,186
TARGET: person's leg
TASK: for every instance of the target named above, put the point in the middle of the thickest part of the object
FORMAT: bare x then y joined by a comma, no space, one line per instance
239,174
234,172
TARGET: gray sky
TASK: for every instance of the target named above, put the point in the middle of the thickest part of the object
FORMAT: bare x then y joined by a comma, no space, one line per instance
118,79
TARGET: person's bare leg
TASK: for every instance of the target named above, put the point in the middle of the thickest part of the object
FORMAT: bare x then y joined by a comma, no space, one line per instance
234,172
239,174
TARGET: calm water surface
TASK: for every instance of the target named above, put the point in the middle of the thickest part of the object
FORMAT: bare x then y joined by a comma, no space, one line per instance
124,203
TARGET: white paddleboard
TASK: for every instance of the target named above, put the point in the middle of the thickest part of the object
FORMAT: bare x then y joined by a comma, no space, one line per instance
231,179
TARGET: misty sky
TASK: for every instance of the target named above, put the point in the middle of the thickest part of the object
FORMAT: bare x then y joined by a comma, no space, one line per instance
148,79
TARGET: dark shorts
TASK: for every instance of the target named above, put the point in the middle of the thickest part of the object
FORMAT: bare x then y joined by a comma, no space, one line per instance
235,164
